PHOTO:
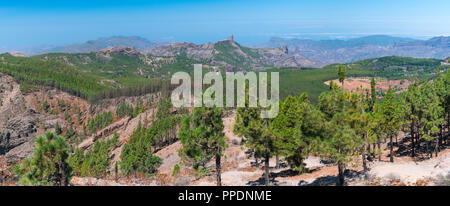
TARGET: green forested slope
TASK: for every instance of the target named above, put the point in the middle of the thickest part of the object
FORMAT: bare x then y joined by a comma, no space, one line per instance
108,74
310,80
394,67
94,75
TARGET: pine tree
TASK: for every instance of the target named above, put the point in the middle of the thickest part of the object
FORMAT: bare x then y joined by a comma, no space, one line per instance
45,106
376,131
287,128
391,112
359,121
373,94
342,74
163,108
70,132
257,136
202,138
340,141
48,166
441,89
433,113
58,130
137,155
342,144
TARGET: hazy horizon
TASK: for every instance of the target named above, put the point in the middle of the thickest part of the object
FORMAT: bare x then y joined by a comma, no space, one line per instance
27,24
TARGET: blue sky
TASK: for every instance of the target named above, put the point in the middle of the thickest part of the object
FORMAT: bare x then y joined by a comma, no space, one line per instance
31,23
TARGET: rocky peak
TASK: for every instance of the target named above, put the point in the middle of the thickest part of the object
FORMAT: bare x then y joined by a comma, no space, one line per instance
284,49
130,51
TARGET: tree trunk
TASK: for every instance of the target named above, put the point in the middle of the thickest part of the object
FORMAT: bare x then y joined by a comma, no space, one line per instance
364,155
116,172
266,168
368,155
418,143
412,140
219,179
392,149
373,151
277,162
341,178
266,164
379,148
436,147
62,171
448,121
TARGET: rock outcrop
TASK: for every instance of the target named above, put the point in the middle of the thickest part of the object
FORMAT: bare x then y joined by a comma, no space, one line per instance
231,55
20,121
17,136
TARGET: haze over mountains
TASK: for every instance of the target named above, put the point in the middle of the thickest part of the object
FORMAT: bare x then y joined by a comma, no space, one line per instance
97,45
277,51
326,52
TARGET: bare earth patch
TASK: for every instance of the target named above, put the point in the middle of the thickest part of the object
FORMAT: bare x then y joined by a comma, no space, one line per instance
410,172
361,84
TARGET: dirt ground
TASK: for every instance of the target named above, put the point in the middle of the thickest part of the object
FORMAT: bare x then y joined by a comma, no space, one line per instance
361,84
238,169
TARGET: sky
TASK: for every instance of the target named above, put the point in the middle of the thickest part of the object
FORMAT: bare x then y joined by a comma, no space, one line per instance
28,23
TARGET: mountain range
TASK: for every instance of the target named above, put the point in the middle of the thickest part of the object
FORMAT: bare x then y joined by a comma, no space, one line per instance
231,55
325,52
109,103
277,52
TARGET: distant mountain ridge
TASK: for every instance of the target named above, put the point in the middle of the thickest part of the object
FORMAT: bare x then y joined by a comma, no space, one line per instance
277,52
99,44
325,52
226,53
378,40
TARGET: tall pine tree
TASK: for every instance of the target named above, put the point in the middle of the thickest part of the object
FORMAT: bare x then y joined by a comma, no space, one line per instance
202,137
